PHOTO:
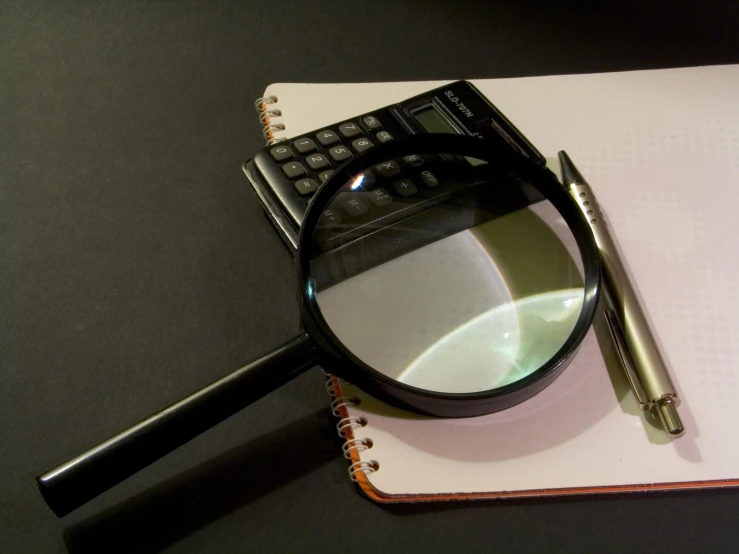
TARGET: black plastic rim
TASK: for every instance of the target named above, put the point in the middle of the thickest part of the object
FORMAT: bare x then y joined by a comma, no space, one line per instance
440,403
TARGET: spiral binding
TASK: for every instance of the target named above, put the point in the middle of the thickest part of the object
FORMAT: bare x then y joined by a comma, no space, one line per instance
330,380
347,423
345,427
337,403
355,445
362,467
266,116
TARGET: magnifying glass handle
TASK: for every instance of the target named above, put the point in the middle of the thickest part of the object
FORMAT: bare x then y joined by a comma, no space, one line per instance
77,481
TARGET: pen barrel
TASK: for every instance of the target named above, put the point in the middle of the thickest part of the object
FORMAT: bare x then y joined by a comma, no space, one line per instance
643,348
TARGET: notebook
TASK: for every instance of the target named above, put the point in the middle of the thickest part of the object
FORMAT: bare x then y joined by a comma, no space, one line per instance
661,151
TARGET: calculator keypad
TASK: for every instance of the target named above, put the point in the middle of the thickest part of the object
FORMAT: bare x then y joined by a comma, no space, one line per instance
415,161
429,179
380,197
390,192
329,218
405,188
305,146
324,175
388,169
385,195
340,154
281,153
306,187
371,122
383,136
327,137
354,207
368,179
317,162
297,169
362,144
293,170
350,130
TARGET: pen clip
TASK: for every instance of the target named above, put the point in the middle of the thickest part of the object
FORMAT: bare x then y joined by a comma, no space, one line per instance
623,353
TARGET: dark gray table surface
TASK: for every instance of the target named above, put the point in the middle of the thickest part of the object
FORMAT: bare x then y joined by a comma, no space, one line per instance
135,268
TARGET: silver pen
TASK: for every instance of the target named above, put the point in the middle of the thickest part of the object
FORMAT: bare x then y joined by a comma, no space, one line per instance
635,343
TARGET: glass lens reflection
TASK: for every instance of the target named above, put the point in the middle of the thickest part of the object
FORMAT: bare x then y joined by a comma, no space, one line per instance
467,285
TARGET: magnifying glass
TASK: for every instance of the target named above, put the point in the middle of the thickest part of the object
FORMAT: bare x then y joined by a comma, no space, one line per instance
437,273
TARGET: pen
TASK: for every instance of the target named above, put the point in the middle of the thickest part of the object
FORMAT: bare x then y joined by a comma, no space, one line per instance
635,343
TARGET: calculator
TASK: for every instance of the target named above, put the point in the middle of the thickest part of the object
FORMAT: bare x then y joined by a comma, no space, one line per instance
286,175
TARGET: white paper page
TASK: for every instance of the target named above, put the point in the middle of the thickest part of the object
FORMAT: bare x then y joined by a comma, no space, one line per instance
661,151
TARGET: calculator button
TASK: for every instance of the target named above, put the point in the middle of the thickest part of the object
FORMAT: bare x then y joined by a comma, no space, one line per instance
405,188
383,136
281,153
325,175
354,207
340,153
329,218
369,179
371,122
414,160
327,137
380,197
388,169
293,170
362,144
306,187
304,146
350,130
317,162
429,179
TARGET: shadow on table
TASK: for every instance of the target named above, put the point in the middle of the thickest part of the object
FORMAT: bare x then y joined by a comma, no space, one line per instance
166,513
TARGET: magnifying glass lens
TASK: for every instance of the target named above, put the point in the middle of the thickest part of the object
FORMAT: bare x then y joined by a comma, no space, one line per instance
446,273
449,285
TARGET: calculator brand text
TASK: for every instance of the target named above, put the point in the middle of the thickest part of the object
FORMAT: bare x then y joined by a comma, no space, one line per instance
460,105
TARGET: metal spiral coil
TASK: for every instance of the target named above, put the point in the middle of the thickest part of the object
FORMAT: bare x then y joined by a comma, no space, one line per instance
260,104
266,114
346,425
266,117
269,130
329,384
362,467
337,403
356,445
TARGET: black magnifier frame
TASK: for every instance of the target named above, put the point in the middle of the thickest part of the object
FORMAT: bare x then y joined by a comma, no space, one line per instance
333,355
75,482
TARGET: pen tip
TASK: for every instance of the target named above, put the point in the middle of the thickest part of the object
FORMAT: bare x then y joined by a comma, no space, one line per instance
568,171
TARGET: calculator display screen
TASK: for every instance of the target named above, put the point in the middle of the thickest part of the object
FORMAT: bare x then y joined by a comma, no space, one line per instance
432,120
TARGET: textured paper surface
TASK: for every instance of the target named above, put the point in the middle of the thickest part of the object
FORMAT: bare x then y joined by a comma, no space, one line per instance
661,150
